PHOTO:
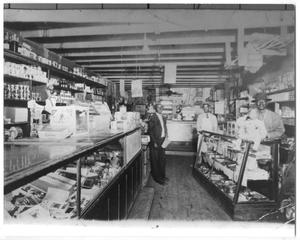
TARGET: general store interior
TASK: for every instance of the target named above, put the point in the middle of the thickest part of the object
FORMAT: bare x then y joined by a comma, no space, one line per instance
103,64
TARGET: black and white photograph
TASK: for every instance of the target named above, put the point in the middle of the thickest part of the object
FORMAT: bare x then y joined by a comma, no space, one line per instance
169,118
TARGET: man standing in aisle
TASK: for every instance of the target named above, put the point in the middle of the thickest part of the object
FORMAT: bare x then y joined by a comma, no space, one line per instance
207,121
272,120
158,132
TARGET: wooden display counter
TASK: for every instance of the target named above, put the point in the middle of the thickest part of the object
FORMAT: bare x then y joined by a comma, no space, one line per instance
26,160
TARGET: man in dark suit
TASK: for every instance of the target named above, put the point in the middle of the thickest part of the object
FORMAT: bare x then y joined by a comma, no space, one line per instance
158,132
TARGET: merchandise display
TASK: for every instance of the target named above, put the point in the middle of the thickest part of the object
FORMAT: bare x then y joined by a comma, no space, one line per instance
230,164
25,71
125,121
54,195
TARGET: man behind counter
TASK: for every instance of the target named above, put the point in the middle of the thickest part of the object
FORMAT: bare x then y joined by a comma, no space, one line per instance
207,121
272,120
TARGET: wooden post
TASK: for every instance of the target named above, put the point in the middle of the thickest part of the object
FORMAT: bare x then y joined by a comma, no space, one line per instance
228,53
240,47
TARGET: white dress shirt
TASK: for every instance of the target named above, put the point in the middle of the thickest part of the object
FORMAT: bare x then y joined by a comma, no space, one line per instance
207,122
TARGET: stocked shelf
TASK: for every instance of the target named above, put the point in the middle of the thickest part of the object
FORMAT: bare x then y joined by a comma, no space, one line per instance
233,176
15,57
68,89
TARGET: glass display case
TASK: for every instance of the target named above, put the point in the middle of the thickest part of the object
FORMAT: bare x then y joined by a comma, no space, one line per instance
92,173
244,180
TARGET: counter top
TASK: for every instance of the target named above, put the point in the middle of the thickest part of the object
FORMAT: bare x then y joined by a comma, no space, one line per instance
25,157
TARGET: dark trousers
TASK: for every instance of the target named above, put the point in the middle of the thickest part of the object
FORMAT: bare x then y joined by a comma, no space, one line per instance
158,163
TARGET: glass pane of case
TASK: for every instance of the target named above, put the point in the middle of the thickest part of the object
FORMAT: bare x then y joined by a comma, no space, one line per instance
52,196
98,169
220,162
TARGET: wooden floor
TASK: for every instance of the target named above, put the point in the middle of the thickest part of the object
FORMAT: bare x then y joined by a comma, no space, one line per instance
183,198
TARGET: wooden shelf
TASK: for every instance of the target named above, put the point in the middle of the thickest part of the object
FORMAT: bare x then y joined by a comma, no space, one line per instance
8,54
13,124
281,91
19,103
14,79
15,103
68,89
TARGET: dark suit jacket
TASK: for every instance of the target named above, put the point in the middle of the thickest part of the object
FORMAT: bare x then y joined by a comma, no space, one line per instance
155,130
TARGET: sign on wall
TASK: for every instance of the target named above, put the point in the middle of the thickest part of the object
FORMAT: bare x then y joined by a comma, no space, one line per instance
136,88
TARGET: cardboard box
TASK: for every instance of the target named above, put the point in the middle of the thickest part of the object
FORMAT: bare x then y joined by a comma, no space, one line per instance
16,114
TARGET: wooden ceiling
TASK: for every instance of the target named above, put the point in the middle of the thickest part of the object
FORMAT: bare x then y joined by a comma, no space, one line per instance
136,43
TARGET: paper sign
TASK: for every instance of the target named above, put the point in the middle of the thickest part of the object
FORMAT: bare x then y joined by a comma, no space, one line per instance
170,73
219,107
122,88
136,88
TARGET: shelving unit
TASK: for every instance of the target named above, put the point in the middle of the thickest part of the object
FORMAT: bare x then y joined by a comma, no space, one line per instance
62,71
228,173
18,58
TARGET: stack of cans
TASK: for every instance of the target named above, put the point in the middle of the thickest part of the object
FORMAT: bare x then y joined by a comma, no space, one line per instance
16,92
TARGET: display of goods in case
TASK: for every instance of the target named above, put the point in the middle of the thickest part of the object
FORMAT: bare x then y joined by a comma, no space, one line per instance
245,178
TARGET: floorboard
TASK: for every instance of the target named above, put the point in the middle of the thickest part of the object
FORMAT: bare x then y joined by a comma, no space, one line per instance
183,198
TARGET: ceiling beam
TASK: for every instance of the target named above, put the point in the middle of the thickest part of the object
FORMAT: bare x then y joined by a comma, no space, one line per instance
160,76
156,73
72,55
161,19
155,70
215,63
156,58
158,42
